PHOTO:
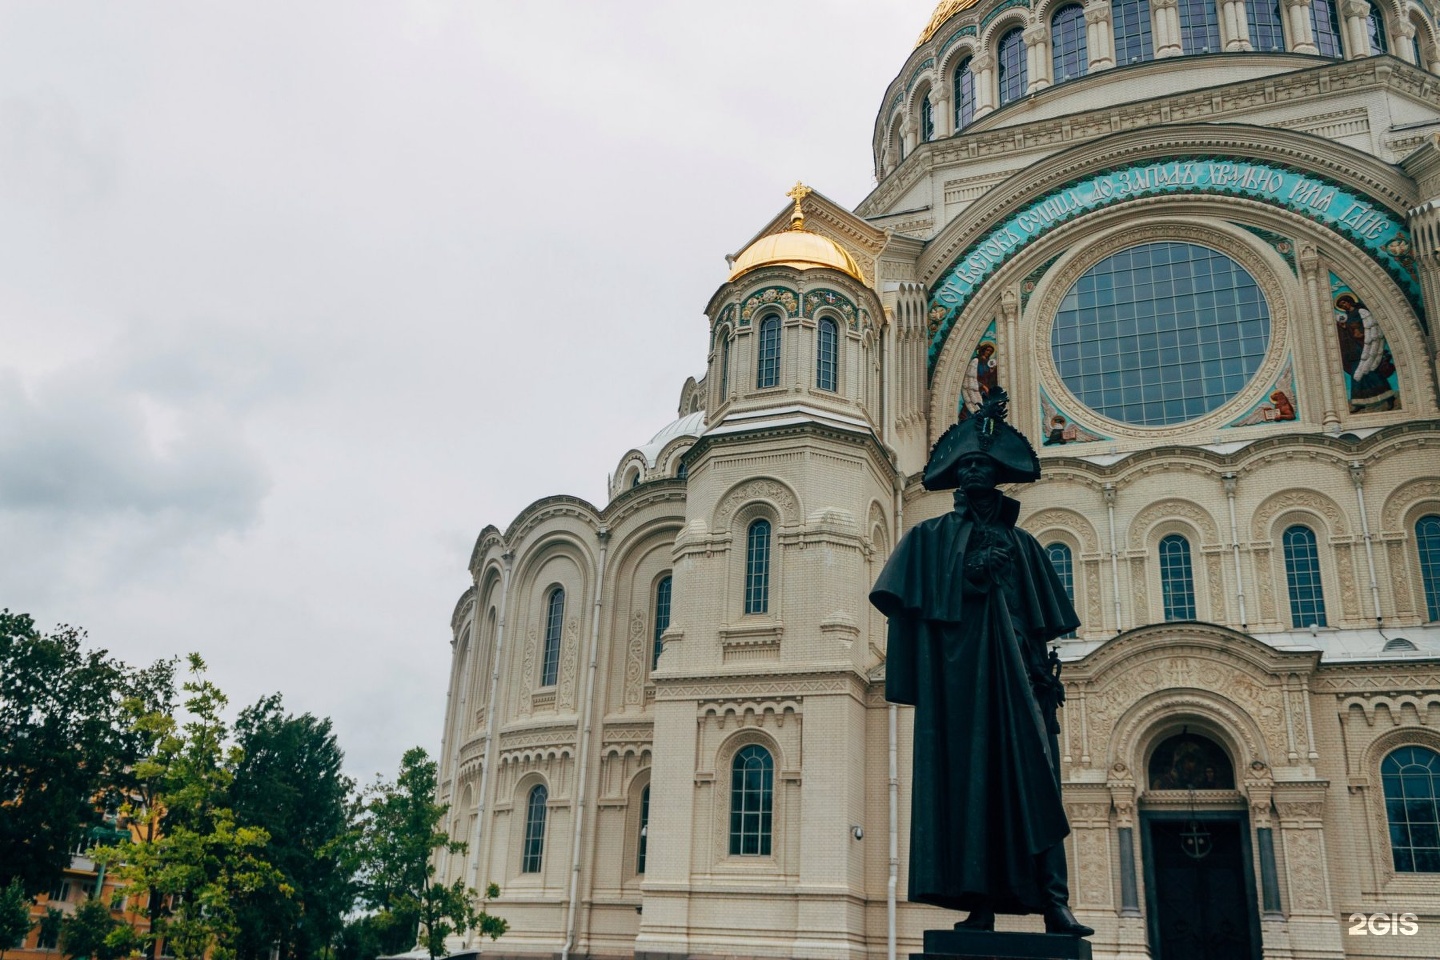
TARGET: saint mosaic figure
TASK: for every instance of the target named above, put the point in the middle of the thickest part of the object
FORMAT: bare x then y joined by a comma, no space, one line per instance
973,604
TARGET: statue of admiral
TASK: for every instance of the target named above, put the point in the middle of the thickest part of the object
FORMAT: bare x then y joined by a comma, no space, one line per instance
973,603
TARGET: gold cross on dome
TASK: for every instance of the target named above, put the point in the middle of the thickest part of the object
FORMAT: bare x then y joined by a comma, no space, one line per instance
798,193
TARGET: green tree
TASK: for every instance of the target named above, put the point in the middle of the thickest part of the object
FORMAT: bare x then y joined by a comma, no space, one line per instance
87,932
289,783
64,745
193,859
401,833
50,926
14,916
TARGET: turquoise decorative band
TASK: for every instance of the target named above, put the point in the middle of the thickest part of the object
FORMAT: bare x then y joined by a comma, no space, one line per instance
1362,220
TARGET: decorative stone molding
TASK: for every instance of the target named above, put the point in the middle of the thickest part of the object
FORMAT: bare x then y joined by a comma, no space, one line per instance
779,495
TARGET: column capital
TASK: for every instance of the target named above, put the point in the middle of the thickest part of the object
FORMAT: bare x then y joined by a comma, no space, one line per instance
1036,33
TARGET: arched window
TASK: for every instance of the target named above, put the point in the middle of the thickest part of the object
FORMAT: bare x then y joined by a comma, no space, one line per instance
644,829
662,618
964,95
533,856
1199,27
1132,31
1064,564
1375,30
554,622
767,372
927,120
1326,27
752,780
1266,32
827,340
1427,541
1177,579
1411,778
635,480
1302,573
1068,56
725,367
1011,59
683,471
757,567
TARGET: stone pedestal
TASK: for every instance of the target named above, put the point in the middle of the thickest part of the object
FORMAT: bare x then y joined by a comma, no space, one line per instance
988,945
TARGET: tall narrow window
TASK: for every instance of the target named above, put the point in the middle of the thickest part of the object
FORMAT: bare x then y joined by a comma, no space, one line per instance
1375,30
1177,580
1199,26
964,95
1326,27
533,856
1411,778
757,567
1132,31
767,372
1068,55
827,339
725,367
1011,60
1266,32
662,617
644,829
1064,564
927,120
1427,541
554,625
752,778
1302,573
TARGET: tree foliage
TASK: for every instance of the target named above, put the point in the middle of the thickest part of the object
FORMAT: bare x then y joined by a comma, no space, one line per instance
88,932
193,858
65,744
401,834
289,783
14,916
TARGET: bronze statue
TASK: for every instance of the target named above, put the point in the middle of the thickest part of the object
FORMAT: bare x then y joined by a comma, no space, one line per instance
973,603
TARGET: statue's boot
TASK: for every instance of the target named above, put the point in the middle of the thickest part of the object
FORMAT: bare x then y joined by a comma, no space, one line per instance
1059,919
1054,882
978,920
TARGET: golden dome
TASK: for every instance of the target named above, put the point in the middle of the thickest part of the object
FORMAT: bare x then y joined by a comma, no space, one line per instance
796,247
944,11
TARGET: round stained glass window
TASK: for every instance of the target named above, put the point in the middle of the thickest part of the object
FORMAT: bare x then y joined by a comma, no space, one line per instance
1160,333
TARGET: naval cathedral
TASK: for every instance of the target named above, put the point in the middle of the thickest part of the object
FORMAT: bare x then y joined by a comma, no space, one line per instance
1198,243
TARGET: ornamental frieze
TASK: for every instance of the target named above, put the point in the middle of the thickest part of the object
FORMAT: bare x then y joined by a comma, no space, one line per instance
1362,220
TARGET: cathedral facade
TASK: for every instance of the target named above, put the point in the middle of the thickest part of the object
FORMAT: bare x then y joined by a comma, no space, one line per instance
1198,243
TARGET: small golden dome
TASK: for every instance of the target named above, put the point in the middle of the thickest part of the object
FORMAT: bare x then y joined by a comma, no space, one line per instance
796,247
944,11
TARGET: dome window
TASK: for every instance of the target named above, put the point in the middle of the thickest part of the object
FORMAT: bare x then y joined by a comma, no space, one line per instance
1013,79
1132,31
1265,26
767,371
927,120
827,339
1199,27
1069,58
964,95
1325,25
1375,30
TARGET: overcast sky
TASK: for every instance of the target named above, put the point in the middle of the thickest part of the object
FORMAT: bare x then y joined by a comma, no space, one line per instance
296,297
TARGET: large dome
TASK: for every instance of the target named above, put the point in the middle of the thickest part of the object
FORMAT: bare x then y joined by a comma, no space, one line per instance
943,11
796,247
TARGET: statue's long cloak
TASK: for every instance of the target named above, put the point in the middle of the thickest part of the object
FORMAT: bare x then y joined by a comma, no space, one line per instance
984,799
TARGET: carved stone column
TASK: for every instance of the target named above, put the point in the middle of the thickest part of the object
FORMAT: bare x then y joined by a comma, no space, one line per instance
907,137
1327,354
1037,56
940,111
1122,798
1357,38
1236,24
1424,224
1088,808
1402,43
1099,41
1302,34
1166,28
1259,793
1301,809
983,66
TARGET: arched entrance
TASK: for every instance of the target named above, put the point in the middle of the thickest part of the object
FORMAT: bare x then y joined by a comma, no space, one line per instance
1195,838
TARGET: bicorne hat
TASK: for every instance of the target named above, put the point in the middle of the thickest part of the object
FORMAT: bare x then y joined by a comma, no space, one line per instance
983,432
